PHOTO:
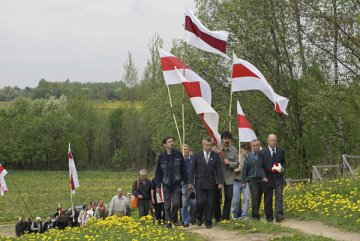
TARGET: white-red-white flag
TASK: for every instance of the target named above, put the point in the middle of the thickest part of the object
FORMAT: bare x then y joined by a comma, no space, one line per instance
208,115
246,131
169,62
201,37
74,181
246,76
3,187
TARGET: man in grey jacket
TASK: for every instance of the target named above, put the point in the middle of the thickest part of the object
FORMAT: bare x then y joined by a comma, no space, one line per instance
229,163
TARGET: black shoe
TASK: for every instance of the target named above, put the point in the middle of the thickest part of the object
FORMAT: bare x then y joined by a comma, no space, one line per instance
208,226
176,224
193,222
198,222
279,219
269,220
168,225
186,225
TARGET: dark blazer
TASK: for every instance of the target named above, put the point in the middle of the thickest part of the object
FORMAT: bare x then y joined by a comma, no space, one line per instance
206,176
266,163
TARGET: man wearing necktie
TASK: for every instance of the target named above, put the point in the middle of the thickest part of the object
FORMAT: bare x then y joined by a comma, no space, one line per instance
272,181
206,177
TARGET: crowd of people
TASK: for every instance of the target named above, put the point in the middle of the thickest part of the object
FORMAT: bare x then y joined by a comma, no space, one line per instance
192,186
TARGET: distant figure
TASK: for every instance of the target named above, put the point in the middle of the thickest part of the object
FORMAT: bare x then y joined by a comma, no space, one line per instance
119,204
272,181
158,202
37,226
206,176
141,188
81,215
28,223
48,224
72,216
20,227
101,212
61,221
170,173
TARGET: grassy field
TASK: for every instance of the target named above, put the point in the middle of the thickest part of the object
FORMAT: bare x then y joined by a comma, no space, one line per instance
4,104
42,191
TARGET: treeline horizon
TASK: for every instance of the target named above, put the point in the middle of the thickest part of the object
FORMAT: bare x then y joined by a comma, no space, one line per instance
309,51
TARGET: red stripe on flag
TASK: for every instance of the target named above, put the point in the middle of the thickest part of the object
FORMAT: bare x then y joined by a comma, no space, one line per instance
277,109
72,184
243,122
211,133
169,63
70,155
210,40
1,168
240,70
192,89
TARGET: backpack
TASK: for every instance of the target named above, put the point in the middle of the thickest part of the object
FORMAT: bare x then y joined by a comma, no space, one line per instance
134,200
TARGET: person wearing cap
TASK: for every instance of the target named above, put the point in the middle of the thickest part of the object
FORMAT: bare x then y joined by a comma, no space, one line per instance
188,202
236,206
250,176
37,226
272,182
229,164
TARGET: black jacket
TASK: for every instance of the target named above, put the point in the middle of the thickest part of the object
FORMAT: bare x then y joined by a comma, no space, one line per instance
266,162
144,189
170,169
206,176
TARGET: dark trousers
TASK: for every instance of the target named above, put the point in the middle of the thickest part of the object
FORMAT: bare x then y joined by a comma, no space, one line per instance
172,200
228,194
204,205
256,192
217,204
268,199
143,207
159,212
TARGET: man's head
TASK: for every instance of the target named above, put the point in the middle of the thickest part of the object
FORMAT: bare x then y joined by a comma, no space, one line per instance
255,146
120,192
142,174
244,149
226,138
168,143
207,144
272,140
186,149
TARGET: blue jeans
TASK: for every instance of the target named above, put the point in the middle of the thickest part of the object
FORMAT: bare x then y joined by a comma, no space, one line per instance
236,205
188,206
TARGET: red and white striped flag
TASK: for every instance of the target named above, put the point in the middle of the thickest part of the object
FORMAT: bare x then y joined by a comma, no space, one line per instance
207,114
3,187
246,76
246,131
170,63
74,181
201,37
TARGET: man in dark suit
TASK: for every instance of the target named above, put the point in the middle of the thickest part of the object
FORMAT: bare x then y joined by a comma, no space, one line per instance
206,175
272,180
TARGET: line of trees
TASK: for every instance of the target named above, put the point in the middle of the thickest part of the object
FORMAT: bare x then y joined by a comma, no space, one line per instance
308,50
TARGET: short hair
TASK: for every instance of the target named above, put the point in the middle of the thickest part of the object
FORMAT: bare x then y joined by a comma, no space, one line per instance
226,134
255,140
143,172
166,139
207,139
185,145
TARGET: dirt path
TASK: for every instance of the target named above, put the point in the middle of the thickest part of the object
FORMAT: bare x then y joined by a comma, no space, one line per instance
318,228
7,230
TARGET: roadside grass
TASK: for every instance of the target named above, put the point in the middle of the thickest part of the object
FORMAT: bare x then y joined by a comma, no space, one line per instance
335,202
278,232
43,191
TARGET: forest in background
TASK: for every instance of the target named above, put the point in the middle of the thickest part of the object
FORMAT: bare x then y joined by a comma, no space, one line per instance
308,50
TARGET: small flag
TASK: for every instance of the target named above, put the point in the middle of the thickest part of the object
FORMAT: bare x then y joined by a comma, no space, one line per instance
3,187
74,181
246,132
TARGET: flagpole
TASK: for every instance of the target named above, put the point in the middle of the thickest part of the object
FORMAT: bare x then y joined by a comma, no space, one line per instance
171,105
17,189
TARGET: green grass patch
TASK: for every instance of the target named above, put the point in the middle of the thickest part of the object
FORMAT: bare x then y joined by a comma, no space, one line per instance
335,202
120,104
42,191
301,237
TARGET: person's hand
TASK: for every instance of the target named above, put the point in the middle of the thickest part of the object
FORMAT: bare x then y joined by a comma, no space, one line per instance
140,196
190,186
219,186
265,179
152,200
158,189
226,161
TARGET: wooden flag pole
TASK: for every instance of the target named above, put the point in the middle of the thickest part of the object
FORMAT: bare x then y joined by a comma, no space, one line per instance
171,105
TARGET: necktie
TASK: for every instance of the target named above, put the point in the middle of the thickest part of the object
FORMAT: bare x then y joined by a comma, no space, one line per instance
273,154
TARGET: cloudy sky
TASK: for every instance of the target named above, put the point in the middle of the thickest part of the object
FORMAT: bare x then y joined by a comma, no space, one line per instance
83,40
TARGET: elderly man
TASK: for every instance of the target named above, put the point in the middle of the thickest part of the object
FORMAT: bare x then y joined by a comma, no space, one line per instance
250,176
206,175
229,163
141,188
272,180
170,172
119,204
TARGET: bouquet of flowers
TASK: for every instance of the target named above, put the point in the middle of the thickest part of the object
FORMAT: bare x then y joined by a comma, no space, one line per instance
276,168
